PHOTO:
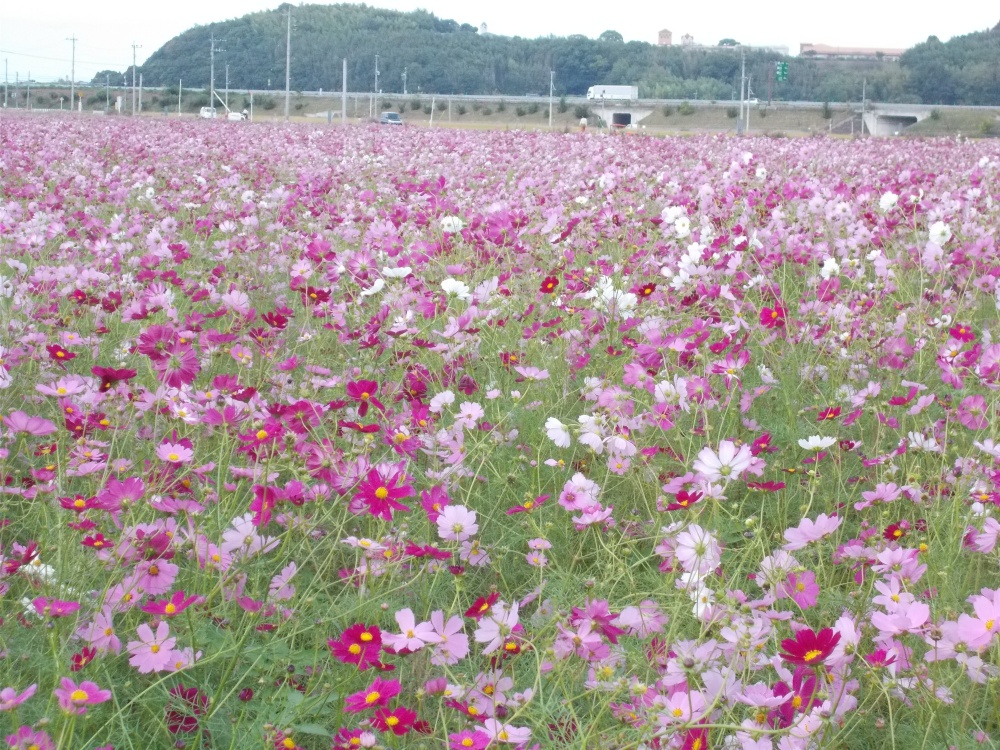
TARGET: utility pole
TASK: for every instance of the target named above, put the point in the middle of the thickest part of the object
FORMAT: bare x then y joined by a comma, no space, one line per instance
211,65
288,62
72,75
140,93
107,93
227,87
864,85
552,80
743,81
376,88
343,95
404,81
134,48
5,83
180,93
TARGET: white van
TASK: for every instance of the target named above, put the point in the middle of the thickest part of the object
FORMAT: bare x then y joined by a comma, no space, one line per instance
207,112
235,117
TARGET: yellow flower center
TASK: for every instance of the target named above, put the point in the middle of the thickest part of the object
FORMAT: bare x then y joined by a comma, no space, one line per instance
155,648
813,654
800,586
288,742
173,457
529,504
261,434
797,701
372,697
473,711
79,503
154,570
354,648
678,712
381,493
989,624
78,695
503,736
365,396
365,637
467,742
392,721
170,608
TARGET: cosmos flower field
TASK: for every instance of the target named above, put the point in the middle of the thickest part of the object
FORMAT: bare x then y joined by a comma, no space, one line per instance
406,438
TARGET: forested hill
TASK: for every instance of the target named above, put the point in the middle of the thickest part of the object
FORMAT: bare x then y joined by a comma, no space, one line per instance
447,57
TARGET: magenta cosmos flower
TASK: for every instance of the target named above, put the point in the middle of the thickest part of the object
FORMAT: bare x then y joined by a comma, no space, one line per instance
74,698
27,738
809,648
381,493
376,695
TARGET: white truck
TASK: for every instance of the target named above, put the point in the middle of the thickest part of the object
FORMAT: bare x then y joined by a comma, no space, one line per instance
613,93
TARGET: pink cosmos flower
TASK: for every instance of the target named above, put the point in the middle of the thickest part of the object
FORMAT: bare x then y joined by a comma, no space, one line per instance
74,698
27,738
697,550
506,733
151,653
802,589
728,464
809,531
174,453
456,523
101,634
413,636
496,626
11,699
18,421
381,493
470,739
46,607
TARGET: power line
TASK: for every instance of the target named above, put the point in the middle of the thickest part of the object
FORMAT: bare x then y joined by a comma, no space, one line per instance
56,59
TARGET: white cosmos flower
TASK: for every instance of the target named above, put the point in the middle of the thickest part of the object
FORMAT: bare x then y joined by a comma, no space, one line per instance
557,432
940,233
452,224
456,288
375,288
830,268
816,443
397,273
888,201
682,227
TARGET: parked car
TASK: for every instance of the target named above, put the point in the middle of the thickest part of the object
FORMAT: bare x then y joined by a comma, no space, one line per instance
390,118
235,117
207,112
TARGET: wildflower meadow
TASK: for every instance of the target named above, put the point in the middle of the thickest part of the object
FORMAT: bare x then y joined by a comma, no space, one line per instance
405,438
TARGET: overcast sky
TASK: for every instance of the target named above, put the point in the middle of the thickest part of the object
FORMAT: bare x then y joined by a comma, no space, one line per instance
33,35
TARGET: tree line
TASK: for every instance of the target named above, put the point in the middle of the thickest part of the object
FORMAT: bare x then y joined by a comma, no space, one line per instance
443,56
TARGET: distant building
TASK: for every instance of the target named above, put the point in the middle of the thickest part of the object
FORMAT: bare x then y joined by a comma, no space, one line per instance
665,38
827,52
482,29
778,49
687,40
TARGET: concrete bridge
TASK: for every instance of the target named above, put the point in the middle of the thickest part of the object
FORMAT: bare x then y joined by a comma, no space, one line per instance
892,119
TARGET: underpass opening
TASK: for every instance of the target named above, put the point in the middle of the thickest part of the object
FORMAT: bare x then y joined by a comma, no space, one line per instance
621,119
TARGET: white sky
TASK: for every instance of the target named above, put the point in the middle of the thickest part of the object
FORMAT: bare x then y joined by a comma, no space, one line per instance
33,35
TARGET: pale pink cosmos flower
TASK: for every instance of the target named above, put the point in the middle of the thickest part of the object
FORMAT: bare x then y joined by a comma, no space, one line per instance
809,531
495,627
100,634
412,636
697,550
18,421
11,699
453,645
152,652
506,733
728,464
456,523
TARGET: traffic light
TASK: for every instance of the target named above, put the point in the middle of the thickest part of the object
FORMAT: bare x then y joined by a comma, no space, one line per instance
781,71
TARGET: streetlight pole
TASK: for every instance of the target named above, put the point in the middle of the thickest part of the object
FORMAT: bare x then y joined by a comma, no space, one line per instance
743,81
552,80
211,74
134,48
288,62
72,76
404,81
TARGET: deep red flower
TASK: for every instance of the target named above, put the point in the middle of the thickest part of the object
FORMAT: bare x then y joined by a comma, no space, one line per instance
962,333
828,414
109,376
58,354
360,644
528,505
684,500
482,605
83,658
549,284
184,708
809,648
